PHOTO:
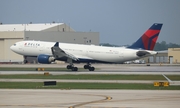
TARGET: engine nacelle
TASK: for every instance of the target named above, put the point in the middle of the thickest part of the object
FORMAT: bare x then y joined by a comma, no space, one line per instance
45,59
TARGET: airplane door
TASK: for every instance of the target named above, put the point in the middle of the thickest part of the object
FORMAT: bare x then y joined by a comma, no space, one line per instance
41,49
87,50
171,59
21,47
121,55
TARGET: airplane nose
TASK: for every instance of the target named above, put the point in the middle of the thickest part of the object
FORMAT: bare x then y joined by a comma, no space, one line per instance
11,47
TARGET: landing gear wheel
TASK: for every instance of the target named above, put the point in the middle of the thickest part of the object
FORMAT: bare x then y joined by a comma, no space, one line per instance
86,66
74,69
69,67
91,68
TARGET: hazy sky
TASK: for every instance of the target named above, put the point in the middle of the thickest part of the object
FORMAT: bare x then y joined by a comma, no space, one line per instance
119,22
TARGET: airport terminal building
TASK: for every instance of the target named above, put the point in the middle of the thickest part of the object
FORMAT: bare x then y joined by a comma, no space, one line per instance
174,55
170,56
61,32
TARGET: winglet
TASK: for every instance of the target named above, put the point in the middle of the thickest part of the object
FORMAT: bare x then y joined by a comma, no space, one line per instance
56,44
148,39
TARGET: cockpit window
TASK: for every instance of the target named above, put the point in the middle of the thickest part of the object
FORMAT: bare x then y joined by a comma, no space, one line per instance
14,44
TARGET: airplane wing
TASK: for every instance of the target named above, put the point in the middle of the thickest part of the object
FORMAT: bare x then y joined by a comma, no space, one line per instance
59,53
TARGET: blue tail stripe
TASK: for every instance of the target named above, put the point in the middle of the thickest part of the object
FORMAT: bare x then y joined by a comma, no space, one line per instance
156,27
138,44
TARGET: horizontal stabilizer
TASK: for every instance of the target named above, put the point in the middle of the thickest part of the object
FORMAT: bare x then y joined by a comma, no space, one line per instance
144,53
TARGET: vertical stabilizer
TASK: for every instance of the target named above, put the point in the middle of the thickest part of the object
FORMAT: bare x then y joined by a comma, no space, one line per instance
148,40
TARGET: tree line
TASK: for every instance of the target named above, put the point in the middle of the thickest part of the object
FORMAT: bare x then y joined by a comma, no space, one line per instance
164,46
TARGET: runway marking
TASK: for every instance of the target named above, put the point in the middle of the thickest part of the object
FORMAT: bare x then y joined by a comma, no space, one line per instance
145,99
106,98
100,99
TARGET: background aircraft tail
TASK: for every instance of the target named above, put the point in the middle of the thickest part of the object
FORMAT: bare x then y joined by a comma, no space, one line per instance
148,40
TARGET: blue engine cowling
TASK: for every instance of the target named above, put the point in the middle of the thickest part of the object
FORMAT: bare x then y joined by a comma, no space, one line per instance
45,59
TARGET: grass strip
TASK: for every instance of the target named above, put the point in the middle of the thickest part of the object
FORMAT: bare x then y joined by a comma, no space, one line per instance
68,86
33,69
90,77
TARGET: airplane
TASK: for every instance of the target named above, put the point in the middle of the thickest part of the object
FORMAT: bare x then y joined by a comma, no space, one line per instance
48,52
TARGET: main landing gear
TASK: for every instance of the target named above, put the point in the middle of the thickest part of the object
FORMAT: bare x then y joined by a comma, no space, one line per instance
88,66
71,66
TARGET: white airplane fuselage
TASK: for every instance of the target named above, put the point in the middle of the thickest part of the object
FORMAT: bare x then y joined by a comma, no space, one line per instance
82,52
48,52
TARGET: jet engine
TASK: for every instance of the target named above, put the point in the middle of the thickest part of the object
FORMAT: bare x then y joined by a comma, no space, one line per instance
45,59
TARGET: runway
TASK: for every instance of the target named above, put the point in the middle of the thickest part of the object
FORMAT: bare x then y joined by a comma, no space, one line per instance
19,98
137,69
154,69
48,98
87,72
